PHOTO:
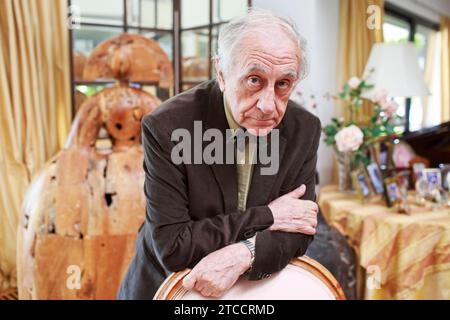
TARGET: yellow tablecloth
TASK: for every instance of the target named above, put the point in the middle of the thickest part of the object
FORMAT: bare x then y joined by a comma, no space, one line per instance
405,256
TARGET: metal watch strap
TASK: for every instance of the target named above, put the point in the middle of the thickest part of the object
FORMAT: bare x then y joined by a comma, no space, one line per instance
251,248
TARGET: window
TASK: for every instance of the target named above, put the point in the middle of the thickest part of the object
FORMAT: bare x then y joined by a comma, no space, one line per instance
400,26
104,19
200,23
186,30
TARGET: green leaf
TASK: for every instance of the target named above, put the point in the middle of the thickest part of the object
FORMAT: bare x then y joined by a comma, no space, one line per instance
346,87
330,130
376,131
374,119
329,141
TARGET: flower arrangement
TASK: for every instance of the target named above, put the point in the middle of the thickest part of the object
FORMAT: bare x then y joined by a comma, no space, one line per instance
357,136
352,139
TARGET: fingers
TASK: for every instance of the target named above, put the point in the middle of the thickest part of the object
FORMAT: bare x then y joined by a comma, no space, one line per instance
307,204
297,193
309,231
206,291
190,280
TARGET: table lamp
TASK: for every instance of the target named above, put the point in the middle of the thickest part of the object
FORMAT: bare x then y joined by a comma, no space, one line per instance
395,68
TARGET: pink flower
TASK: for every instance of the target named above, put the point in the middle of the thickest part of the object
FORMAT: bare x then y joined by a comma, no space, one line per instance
354,82
389,107
380,96
349,138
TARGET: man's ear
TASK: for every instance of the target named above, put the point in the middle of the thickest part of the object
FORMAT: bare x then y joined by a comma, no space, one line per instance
220,77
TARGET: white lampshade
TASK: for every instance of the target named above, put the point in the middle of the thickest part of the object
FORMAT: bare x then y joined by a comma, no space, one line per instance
395,69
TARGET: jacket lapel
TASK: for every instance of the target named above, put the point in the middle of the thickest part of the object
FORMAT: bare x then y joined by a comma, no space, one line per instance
225,174
262,185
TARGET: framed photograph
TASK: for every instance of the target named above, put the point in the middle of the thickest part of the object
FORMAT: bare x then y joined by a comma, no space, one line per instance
417,165
403,179
375,156
392,191
433,178
380,153
445,170
418,170
376,178
448,181
362,184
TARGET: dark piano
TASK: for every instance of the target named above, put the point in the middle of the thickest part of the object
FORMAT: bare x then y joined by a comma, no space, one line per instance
431,143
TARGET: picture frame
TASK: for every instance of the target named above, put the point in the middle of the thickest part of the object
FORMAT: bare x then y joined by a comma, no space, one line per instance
376,178
448,181
392,191
404,179
381,153
362,184
433,178
445,170
375,153
418,170
417,165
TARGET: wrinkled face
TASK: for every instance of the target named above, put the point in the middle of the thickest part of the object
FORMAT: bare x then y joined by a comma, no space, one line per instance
258,84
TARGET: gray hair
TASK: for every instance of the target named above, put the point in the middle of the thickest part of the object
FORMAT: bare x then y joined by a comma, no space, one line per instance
232,32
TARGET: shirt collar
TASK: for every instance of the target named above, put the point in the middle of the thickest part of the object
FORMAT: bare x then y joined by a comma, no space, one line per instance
230,119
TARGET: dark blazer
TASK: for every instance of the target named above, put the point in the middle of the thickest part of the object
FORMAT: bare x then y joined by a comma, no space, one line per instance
192,209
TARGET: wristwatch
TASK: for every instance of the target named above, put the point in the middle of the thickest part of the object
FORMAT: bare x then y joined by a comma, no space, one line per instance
251,247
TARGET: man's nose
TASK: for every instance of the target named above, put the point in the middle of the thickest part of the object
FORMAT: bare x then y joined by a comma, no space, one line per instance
266,102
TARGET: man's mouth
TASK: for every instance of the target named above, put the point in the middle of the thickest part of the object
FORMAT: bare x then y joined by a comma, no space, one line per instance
263,122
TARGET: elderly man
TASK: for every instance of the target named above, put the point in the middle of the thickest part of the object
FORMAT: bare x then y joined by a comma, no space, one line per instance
225,220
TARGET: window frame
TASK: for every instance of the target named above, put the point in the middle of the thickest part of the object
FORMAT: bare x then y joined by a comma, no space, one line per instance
176,33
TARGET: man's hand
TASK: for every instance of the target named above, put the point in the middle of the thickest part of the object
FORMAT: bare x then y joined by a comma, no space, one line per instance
216,273
290,214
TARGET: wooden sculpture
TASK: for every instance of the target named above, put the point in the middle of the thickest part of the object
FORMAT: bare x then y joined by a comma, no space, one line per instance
195,69
80,97
130,57
79,60
83,210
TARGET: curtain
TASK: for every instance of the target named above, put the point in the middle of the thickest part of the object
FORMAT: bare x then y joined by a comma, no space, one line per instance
34,106
355,42
432,104
445,69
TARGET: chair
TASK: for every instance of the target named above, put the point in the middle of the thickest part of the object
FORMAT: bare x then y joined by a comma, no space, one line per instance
302,279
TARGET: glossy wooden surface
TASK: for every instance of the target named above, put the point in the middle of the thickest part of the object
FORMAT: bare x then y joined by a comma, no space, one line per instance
303,278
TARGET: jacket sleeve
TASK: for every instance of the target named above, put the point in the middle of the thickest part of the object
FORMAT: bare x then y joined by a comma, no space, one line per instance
274,249
179,241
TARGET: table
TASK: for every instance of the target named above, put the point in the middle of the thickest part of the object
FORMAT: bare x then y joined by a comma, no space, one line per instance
403,256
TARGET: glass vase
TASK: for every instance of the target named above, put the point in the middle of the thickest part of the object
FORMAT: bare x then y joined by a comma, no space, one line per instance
344,160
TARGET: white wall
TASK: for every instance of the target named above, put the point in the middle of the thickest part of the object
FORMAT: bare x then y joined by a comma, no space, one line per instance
318,22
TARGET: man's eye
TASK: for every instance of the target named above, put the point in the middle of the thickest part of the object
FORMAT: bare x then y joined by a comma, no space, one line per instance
254,81
283,84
